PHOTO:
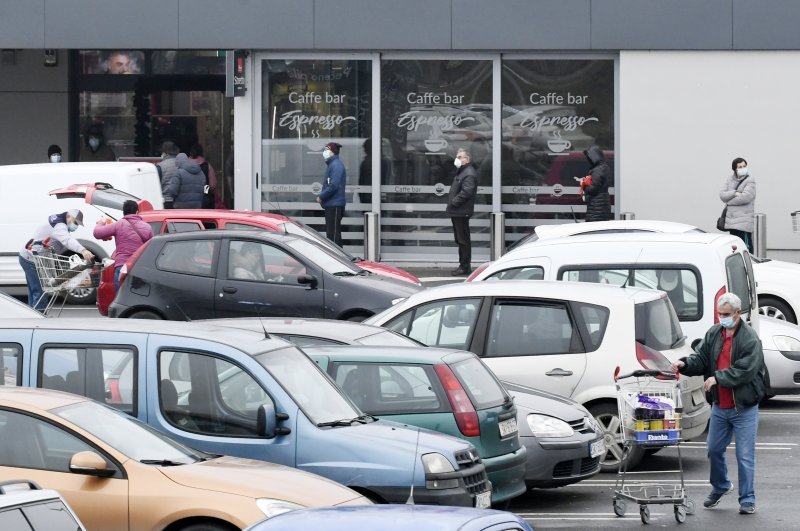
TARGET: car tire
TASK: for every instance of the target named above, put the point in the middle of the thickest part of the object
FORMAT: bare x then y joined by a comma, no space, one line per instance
144,314
86,296
773,307
607,416
357,318
207,526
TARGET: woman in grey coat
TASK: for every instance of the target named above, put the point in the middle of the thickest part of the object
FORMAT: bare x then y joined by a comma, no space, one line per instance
739,194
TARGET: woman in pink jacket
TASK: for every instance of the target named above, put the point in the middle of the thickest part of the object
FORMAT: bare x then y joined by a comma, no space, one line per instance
129,233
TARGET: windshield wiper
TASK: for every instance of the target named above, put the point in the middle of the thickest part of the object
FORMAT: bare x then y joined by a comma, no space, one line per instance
363,419
344,274
160,462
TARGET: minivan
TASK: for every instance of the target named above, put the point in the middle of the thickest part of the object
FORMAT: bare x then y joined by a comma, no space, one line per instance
245,394
30,204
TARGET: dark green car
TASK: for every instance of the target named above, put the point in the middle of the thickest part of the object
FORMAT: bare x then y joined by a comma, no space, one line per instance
443,390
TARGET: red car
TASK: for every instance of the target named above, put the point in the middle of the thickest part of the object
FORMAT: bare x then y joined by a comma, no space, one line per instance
183,220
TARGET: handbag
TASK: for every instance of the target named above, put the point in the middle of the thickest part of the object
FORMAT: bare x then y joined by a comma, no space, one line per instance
721,219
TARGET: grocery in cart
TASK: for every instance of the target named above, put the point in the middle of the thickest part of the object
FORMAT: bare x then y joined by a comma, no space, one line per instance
61,274
649,403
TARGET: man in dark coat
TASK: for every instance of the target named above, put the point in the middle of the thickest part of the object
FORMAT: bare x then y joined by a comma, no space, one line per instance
461,206
186,186
598,202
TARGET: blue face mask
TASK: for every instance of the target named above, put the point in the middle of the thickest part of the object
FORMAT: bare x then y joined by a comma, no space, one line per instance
727,322
72,227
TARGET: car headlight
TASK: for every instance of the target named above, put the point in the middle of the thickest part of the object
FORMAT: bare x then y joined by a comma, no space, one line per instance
786,343
436,464
544,426
272,507
590,421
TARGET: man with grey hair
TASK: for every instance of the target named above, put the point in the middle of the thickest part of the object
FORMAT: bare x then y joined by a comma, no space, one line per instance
461,206
731,360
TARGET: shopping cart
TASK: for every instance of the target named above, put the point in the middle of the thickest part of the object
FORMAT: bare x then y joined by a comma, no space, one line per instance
650,410
60,274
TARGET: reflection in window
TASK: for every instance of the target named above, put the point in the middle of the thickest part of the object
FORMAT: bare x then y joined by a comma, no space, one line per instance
525,329
519,273
391,388
10,366
446,323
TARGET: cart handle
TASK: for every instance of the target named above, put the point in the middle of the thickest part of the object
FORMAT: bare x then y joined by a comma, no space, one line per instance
640,373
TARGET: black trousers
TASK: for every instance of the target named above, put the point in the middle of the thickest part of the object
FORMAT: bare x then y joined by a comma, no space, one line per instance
463,241
747,238
333,224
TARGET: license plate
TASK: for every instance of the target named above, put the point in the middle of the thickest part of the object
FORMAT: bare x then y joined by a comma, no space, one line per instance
483,500
597,448
508,427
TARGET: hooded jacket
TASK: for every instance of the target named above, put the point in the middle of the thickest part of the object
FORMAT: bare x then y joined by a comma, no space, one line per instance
745,376
186,187
741,206
461,199
129,234
598,202
167,169
333,186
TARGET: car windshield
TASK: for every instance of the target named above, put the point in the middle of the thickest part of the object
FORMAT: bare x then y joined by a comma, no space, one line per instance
311,389
126,434
300,229
657,325
323,258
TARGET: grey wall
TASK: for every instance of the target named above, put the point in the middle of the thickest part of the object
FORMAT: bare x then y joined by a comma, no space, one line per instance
33,107
492,25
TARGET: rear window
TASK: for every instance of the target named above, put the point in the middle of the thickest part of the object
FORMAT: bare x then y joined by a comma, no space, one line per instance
480,384
737,279
657,326
519,273
195,257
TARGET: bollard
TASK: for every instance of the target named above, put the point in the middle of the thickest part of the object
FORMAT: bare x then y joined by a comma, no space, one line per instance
372,236
760,235
498,235
627,215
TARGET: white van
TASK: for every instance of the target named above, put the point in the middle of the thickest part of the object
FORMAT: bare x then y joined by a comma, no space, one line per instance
26,204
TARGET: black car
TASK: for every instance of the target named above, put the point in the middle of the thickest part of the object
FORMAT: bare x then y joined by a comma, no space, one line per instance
209,274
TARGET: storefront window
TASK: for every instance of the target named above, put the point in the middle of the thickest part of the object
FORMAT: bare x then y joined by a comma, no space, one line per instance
306,104
552,111
429,110
112,62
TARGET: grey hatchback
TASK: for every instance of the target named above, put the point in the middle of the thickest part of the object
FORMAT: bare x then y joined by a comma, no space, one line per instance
207,274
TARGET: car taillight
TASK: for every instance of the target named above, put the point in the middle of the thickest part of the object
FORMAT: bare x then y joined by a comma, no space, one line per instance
652,359
125,269
463,410
477,271
719,294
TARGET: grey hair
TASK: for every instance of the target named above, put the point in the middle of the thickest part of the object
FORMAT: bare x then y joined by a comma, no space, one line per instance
465,151
729,299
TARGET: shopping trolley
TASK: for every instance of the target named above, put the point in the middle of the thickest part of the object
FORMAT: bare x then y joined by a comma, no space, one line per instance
60,274
649,403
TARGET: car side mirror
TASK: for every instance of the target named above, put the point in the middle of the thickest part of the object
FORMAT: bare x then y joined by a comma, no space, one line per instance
90,464
309,280
267,422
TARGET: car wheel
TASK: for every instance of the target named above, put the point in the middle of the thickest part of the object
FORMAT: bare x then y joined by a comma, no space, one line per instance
207,526
772,307
82,296
607,416
357,317
144,315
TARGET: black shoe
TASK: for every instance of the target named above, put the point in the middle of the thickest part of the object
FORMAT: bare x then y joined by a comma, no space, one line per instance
714,497
747,508
460,272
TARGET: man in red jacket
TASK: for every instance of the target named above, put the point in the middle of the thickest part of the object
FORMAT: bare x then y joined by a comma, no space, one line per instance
130,233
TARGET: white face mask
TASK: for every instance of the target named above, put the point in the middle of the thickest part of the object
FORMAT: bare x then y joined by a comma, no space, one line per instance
55,158
741,172
727,322
72,227
457,163
326,154
94,142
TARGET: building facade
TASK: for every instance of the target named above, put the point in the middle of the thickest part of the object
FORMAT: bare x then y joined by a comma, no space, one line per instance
671,90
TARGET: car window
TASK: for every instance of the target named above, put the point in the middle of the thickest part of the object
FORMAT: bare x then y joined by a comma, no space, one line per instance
519,273
104,373
521,329
447,323
481,385
206,394
156,227
13,519
261,262
183,226
46,446
10,368
656,324
681,284
594,320
737,279
391,388
50,516
193,257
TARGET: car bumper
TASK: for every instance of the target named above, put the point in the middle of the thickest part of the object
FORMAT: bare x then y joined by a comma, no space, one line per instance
472,481
557,462
507,474
784,372
696,411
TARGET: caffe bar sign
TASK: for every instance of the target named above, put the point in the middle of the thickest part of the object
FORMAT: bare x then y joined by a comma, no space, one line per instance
312,124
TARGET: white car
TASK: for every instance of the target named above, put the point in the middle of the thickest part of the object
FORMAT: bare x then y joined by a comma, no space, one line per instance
11,307
693,268
776,280
566,338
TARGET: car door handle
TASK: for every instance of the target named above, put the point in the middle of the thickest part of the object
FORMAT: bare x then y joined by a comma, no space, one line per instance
229,289
558,372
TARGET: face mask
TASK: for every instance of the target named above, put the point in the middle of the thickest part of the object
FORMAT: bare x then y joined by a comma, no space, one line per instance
163,156
72,227
327,154
727,322
457,163
741,172
55,158
94,143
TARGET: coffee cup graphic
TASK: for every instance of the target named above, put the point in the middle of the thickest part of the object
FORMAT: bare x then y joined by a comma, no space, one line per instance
558,145
435,144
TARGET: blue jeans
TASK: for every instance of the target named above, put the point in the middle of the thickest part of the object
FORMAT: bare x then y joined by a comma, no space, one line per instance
35,292
723,424
117,269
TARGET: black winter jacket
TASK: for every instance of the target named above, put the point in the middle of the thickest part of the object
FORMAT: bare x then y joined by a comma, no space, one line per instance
186,186
461,201
598,202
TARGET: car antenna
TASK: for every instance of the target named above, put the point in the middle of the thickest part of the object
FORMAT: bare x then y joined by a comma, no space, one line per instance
410,500
261,321
574,217
633,269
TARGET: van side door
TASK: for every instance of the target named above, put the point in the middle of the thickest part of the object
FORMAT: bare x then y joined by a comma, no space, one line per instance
15,358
